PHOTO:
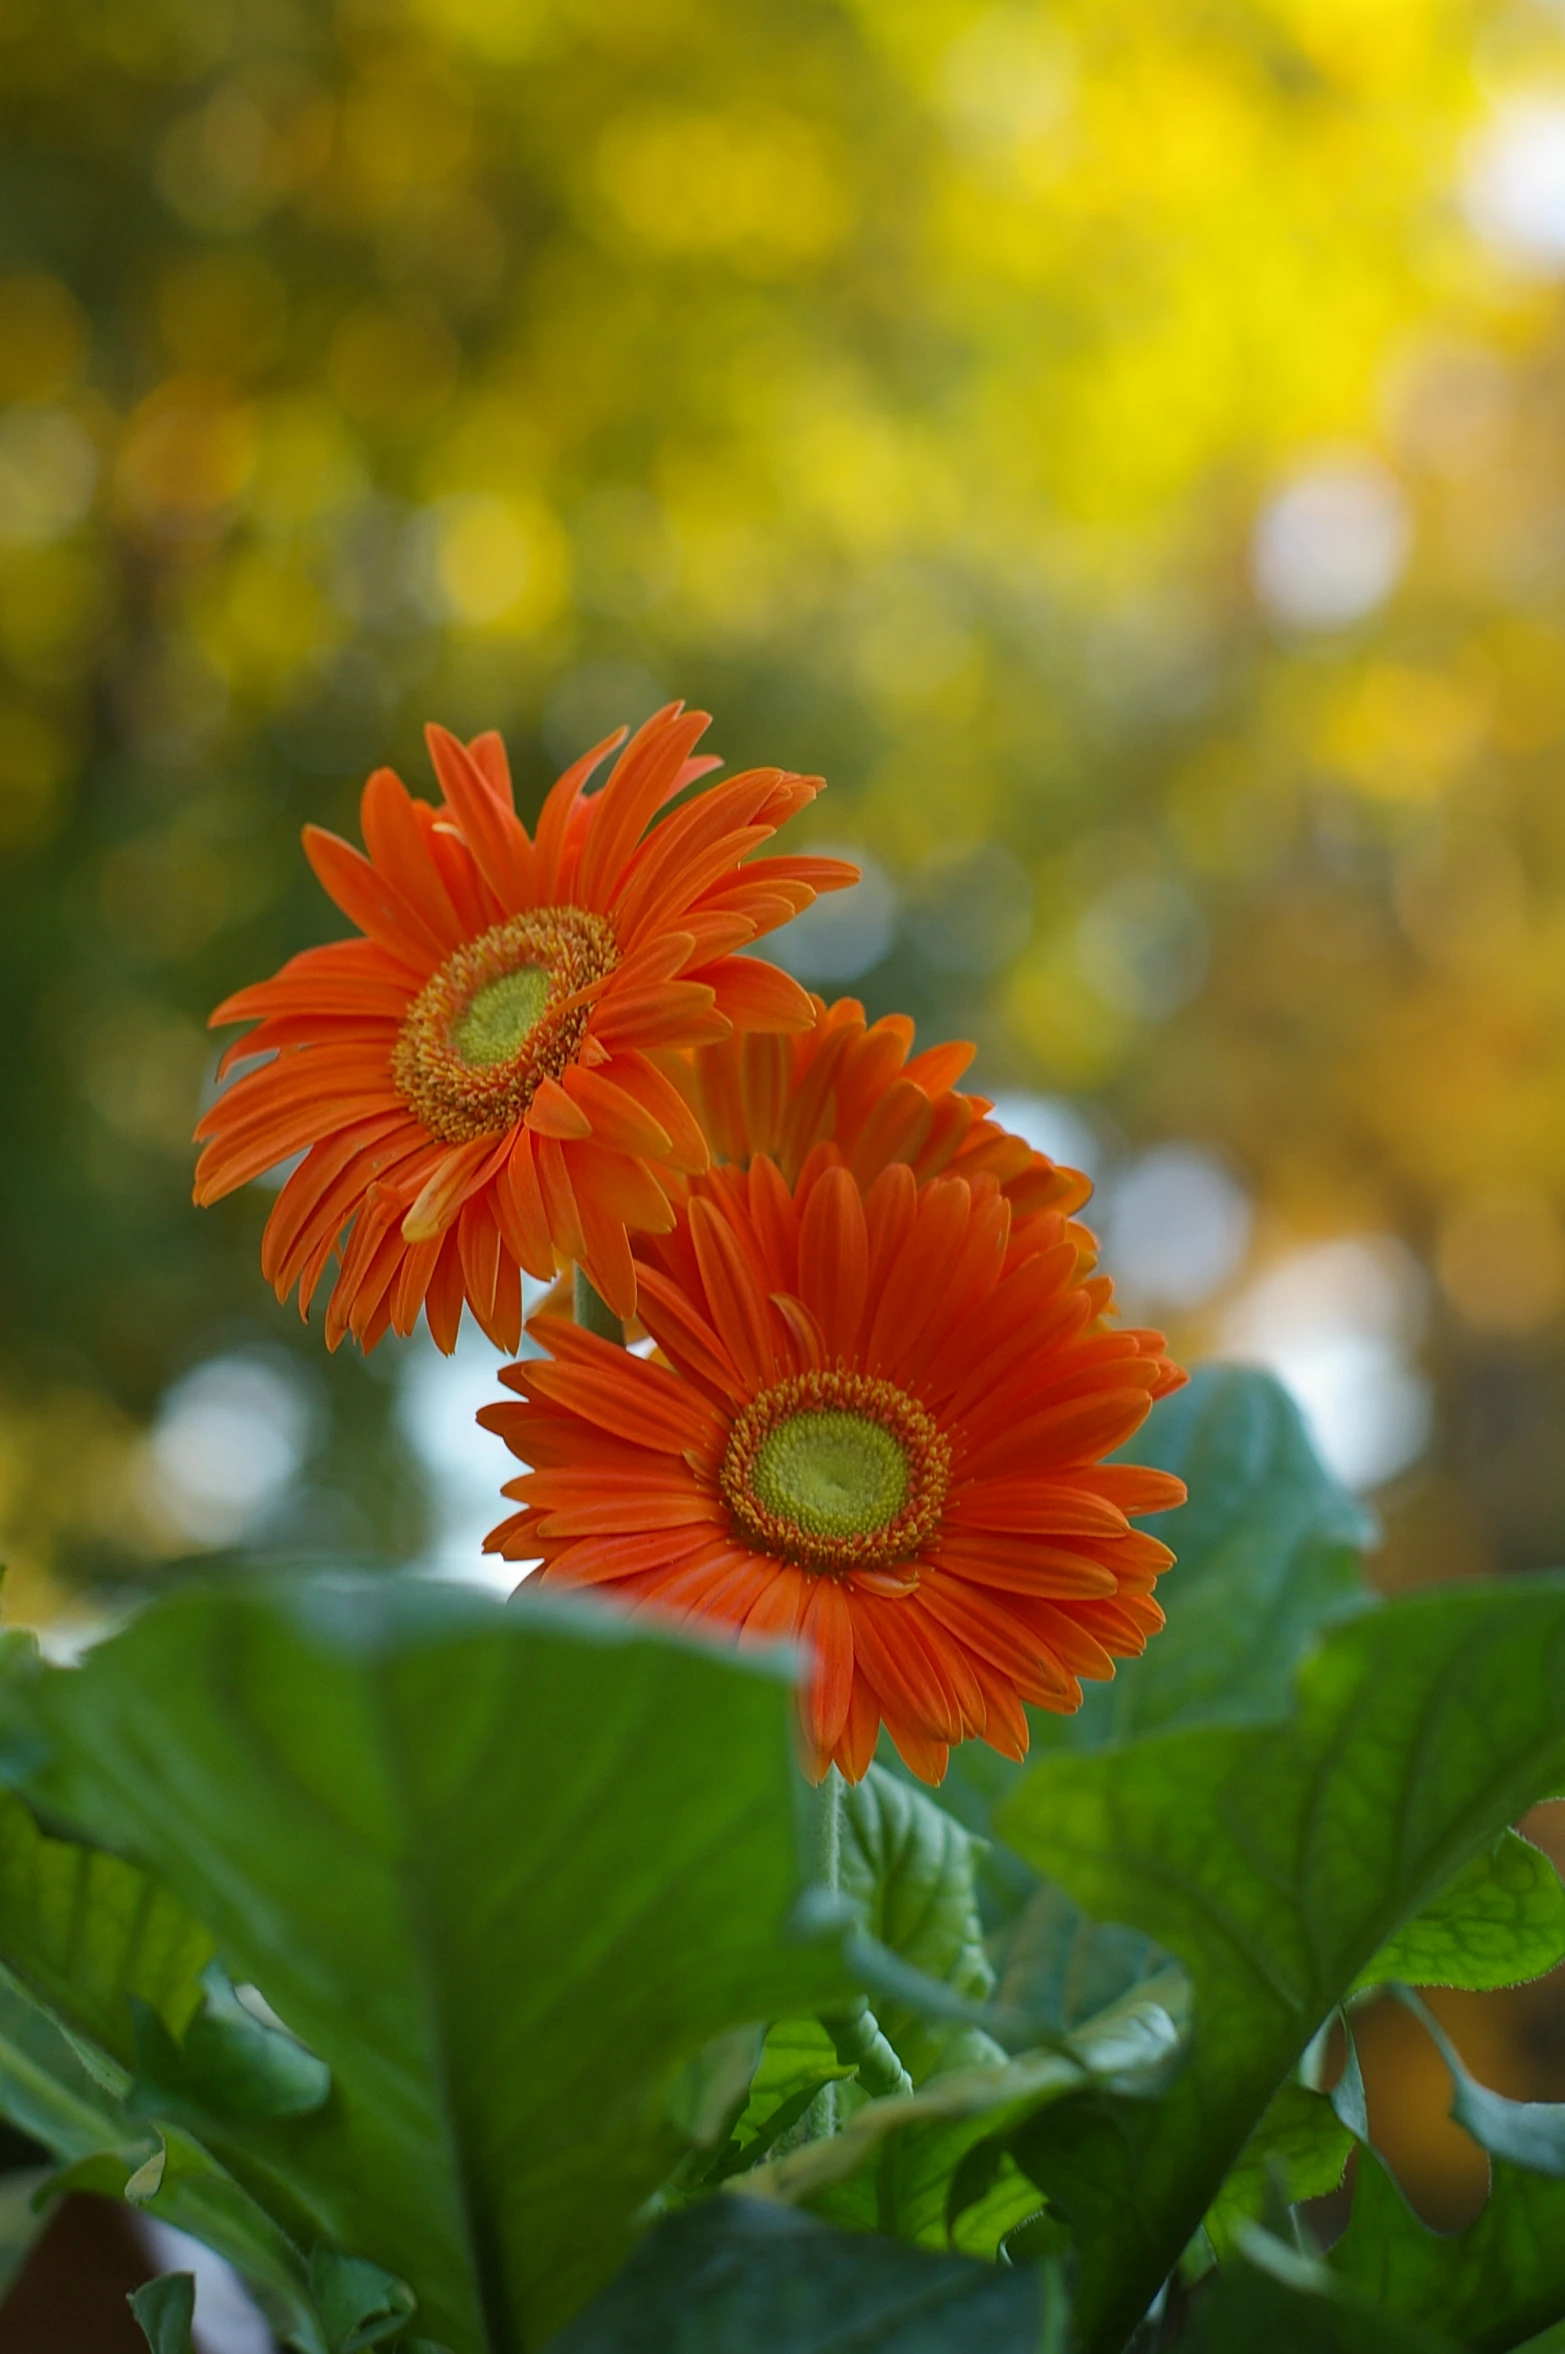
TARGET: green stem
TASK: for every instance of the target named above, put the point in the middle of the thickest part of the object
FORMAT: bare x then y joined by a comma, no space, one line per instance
593,1313
854,2030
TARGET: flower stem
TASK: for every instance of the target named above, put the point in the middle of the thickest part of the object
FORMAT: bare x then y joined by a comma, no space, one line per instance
593,1313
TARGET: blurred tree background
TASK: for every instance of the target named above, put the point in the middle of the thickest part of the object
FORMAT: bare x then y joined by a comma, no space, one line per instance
1120,445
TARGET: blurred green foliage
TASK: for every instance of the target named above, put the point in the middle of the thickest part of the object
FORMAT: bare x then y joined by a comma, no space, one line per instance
902,379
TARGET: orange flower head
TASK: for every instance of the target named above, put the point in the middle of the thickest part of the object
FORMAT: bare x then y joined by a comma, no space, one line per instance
482,1080
878,1427
857,1086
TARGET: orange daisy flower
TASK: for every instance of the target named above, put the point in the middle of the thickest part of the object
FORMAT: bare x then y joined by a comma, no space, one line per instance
851,1083
482,1080
880,1429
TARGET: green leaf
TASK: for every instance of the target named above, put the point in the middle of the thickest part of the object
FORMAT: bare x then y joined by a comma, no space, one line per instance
1275,1864
907,1869
69,2095
360,2304
1243,2309
797,2059
87,1933
1268,1558
740,2273
232,2066
1504,2276
1501,1920
166,2308
1298,2151
1492,2285
1528,2133
1057,1964
505,1870
937,2168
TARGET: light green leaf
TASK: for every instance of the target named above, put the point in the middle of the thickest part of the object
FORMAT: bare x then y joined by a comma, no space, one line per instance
1501,1921
907,1868
797,2059
166,2308
1275,1864
86,1932
504,1869
739,2273
1298,2151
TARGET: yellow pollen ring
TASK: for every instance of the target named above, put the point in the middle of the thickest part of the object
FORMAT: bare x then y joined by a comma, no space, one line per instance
496,1019
836,1471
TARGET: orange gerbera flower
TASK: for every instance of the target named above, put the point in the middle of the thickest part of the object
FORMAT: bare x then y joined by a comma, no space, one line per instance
851,1083
880,1429
483,1079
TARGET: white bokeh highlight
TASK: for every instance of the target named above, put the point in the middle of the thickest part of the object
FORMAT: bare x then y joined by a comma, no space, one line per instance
1339,1323
1331,545
226,1446
1514,187
437,1406
1176,1226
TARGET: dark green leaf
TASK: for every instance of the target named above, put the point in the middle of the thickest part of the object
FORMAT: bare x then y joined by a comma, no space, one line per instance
1528,2133
738,2273
1491,2285
1276,1864
419,1821
1242,2310
165,2309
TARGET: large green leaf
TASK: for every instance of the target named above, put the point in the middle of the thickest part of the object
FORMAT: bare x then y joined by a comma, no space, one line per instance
1501,1920
740,2274
504,1869
1276,1863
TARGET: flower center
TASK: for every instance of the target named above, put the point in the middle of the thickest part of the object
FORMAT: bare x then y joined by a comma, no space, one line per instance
495,1020
836,1471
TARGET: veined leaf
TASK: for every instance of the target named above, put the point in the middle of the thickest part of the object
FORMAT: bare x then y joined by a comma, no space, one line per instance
419,1821
1275,1864
1501,1921
741,2273
907,1868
